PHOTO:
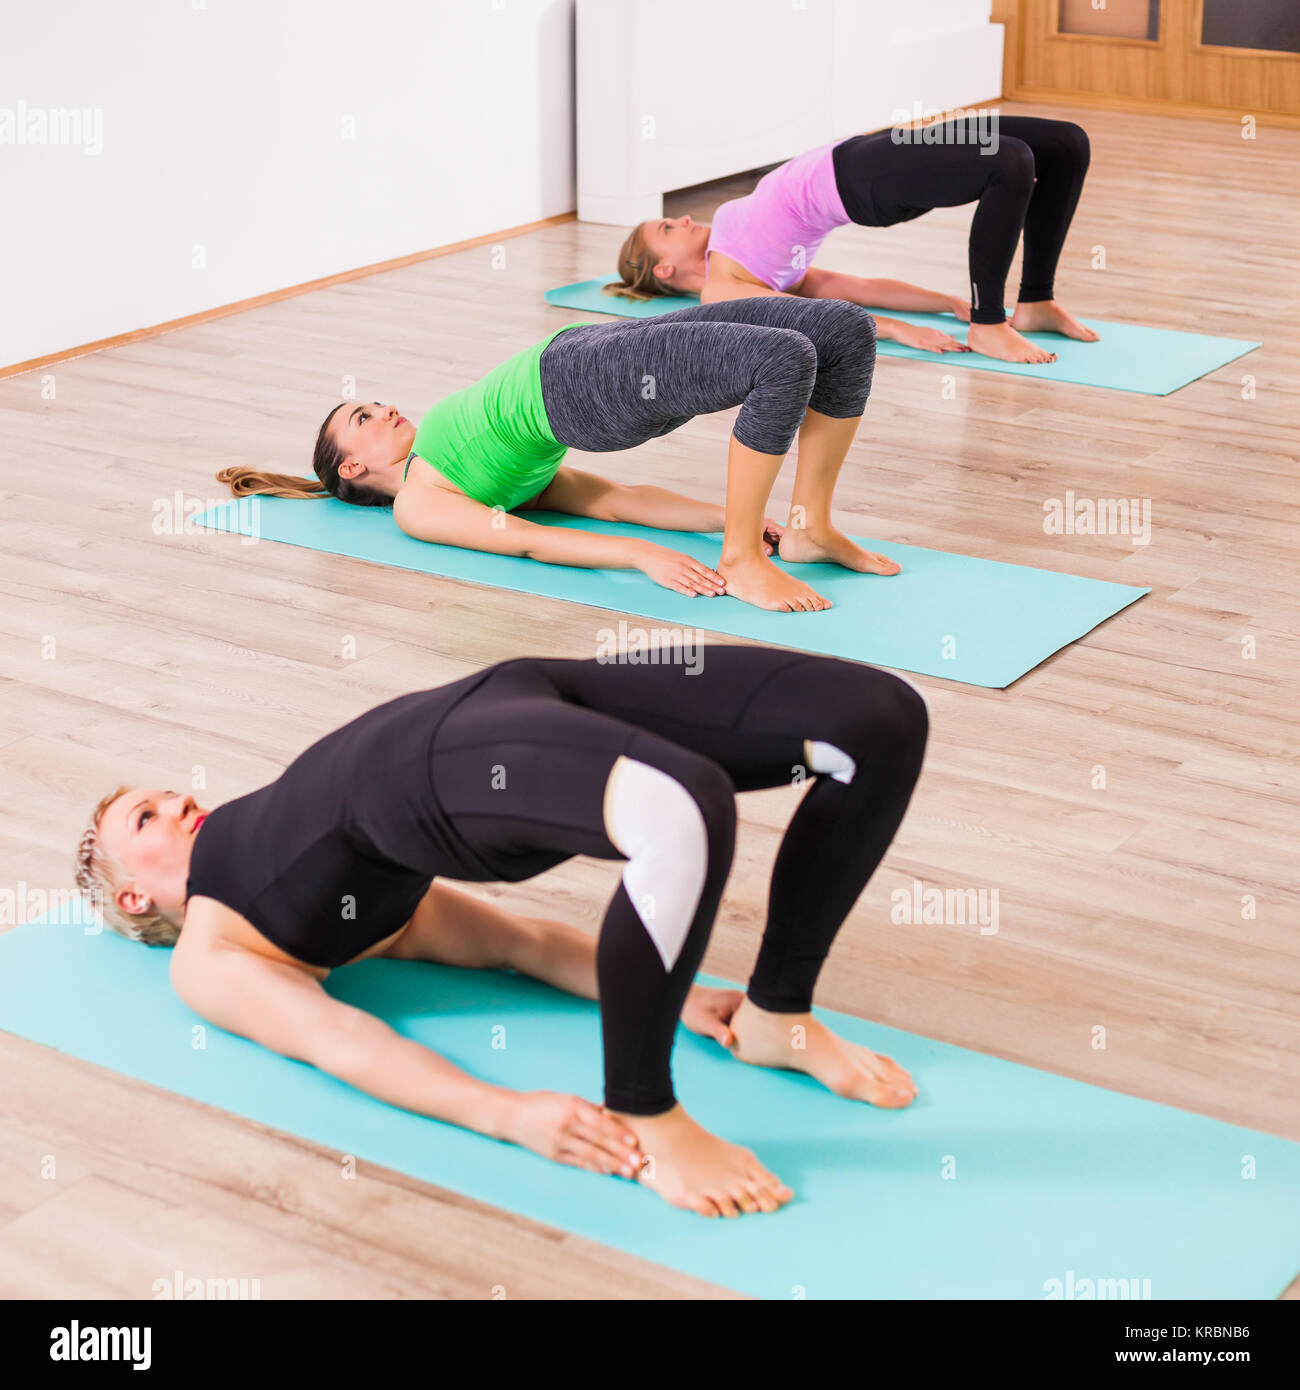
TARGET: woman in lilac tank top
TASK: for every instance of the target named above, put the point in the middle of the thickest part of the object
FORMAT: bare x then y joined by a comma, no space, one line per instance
1022,173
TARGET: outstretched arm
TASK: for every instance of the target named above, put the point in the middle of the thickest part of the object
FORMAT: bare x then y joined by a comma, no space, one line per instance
448,518
587,494
891,294
287,1010
881,294
830,284
452,927
578,493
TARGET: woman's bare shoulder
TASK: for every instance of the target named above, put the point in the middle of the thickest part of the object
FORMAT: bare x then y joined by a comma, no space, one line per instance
213,926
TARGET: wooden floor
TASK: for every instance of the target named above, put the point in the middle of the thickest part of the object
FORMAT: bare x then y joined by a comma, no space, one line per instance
1120,906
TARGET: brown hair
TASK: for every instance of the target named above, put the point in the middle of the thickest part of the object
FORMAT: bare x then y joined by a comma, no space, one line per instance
325,460
637,267
97,873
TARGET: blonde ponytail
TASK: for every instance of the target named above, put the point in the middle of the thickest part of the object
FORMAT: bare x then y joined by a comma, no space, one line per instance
247,482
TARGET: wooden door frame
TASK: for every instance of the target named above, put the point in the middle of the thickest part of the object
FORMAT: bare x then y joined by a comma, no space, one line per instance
1160,40
1198,28
1008,14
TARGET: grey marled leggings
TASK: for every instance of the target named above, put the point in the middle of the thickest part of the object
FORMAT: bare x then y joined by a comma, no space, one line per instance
612,386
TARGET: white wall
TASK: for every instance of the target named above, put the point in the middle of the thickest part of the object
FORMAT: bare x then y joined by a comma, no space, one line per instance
676,92
224,126
237,147
672,93
927,56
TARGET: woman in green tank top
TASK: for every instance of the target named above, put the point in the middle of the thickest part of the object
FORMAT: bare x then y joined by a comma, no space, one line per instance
493,440
488,453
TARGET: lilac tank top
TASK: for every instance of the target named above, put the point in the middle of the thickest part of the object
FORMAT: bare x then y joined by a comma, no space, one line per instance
776,230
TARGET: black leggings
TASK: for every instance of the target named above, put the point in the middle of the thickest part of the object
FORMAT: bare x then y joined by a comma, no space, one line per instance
521,768
614,385
1032,180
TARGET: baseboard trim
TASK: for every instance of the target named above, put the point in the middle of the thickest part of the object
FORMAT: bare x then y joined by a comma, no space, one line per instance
274,296
1151,107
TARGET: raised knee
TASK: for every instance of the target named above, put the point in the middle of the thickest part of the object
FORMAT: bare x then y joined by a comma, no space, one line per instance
1078,147
714,794
852,320
794,353
1014,160
902,721
906,714
887,717
860,330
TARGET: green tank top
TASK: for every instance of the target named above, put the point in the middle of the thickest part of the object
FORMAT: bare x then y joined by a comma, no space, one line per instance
493,439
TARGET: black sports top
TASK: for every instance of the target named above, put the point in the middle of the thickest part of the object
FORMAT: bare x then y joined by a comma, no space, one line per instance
336,853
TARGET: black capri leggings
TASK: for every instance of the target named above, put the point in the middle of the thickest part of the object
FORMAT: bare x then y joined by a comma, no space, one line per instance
522,766
614,385
1032,180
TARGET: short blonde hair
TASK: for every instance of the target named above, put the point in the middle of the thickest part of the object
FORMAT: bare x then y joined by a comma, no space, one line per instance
98,875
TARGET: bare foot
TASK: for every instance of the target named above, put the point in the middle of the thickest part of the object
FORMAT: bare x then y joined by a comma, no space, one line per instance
1047,316
800,1042
755,579
829,546
691,1168
1002,341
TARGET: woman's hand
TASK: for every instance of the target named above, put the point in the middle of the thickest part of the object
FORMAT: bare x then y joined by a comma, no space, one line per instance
772,533
568,1129
928,339
708,1012
960,307
681,573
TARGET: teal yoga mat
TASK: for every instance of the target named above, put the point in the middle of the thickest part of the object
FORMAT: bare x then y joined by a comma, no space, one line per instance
1151,361
1048,1179
976,621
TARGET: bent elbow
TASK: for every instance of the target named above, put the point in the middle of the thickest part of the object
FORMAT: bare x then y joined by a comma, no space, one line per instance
528,546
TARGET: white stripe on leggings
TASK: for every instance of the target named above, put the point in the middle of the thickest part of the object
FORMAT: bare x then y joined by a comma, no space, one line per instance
655,822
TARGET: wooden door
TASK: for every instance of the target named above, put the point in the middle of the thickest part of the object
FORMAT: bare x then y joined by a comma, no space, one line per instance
1238,56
